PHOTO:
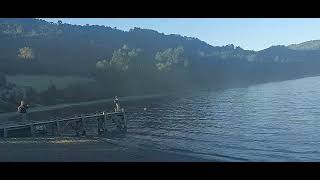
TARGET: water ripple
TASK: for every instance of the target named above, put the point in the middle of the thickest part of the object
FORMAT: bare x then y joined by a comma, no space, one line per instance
267,122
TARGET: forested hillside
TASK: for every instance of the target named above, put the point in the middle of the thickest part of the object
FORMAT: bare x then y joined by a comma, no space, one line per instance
133,62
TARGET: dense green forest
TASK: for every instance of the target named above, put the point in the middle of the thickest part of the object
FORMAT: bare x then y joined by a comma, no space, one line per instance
134,62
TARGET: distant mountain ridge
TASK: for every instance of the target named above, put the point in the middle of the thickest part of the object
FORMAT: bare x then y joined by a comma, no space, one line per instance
306,46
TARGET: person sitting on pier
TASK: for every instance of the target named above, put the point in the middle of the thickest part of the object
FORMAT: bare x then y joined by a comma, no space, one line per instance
117,105
22,109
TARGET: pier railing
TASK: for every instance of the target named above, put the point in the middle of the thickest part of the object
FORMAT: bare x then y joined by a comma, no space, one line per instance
96,124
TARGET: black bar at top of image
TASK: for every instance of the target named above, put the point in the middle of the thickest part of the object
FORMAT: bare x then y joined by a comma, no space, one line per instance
160,9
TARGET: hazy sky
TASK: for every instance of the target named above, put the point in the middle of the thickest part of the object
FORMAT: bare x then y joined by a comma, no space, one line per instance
253,33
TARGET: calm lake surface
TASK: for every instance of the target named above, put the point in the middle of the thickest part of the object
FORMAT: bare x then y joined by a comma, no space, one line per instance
277,121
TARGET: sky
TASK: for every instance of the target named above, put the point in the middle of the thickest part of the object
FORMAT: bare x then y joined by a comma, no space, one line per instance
248,33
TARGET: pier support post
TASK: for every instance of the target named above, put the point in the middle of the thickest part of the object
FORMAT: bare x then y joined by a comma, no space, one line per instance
83,125
105,122
58,128
124,122
32,130
5,132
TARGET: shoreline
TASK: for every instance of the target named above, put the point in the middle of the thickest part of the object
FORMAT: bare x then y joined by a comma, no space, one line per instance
40,109
135,97
64,105
7,115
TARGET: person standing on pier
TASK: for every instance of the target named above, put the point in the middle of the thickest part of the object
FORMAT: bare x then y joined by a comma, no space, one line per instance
22,109
116,103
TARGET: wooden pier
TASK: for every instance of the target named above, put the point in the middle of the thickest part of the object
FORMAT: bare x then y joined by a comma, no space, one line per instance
94,124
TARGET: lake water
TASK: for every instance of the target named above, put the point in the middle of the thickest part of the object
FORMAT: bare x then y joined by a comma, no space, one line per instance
277,121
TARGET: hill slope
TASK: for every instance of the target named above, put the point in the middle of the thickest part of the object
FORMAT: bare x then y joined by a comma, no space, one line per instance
306,46
135,62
